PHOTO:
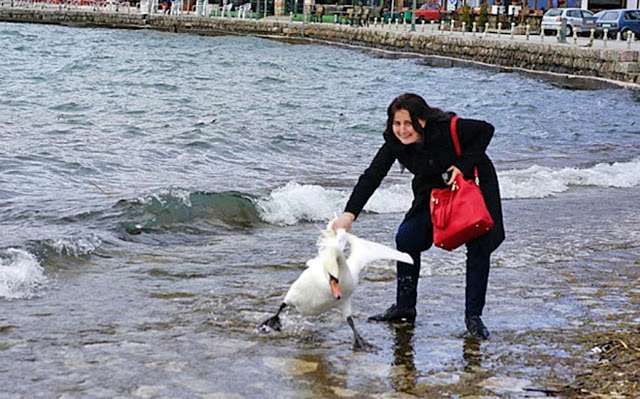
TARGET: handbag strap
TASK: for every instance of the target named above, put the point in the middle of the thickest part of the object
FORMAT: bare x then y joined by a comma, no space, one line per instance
454,136
453,130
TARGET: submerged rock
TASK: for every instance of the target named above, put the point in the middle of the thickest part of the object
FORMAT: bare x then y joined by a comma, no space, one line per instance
344,393
290,366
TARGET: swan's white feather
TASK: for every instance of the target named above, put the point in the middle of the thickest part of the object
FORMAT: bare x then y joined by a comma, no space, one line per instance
310,294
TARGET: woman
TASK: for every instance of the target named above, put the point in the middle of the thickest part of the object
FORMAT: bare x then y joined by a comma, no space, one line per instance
418,136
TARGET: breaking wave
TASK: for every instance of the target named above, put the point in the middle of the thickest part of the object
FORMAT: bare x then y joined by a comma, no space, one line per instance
172,207
64,248
21,276
540,182
296,202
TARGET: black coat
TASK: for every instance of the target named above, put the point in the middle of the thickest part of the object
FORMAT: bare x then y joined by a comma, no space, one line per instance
427,161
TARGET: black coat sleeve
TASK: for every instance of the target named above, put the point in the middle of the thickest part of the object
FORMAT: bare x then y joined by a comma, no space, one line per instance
370,180
474,137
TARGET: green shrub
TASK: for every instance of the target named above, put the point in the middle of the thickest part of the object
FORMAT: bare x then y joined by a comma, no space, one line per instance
466,17
483,18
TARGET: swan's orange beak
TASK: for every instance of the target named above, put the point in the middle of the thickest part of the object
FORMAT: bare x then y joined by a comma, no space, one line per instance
335,288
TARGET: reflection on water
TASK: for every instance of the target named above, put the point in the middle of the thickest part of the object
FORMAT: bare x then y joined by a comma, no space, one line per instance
409,375
471,354
403,374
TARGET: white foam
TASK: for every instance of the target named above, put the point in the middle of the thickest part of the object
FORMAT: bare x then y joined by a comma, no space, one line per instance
76,246
299,202
164,195
20,274
539,182
393,199
294,202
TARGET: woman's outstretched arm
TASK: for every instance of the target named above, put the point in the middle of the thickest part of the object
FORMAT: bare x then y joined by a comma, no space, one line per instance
369,181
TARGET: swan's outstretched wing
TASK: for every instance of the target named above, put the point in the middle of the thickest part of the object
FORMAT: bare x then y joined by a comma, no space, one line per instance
364,252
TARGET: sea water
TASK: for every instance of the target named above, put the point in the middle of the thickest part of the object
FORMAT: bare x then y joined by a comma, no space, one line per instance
159,193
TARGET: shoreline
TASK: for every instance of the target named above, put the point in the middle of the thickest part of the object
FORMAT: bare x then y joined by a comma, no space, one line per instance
568,66
570,81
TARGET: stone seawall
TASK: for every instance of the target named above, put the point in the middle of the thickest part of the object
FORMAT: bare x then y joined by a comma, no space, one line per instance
596,65
619,65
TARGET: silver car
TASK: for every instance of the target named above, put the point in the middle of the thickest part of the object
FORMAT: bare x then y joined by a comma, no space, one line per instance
578,20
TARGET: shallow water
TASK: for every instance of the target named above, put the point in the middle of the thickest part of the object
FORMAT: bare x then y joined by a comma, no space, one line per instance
159,192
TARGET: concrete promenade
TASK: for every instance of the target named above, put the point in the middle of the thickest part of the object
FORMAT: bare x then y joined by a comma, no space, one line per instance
579,62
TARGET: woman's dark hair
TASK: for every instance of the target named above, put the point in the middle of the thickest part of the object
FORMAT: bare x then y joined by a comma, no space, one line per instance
418,109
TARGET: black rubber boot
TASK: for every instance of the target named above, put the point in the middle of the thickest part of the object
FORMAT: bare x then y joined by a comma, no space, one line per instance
394,314
407,288
476,328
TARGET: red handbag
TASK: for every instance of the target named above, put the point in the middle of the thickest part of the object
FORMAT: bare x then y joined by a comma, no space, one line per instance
458,213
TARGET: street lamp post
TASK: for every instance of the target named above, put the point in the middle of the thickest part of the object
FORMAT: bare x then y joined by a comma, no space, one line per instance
413,16
304,17
562,32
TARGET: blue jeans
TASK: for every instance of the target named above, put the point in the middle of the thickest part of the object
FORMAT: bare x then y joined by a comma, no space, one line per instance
415,235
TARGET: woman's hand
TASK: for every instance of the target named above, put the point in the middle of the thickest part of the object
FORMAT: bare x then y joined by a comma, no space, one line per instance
344,221
454,173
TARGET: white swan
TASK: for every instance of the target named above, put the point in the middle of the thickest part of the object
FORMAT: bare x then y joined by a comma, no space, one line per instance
330,279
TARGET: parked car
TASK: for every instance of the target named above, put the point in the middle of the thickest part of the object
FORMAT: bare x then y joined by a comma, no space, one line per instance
430,11
578,20
623,21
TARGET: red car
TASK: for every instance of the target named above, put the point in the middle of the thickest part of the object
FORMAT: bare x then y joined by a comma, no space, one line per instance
429,11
